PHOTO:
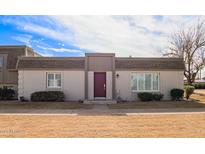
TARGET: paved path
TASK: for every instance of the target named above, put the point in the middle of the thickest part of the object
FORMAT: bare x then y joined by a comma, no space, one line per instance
103,110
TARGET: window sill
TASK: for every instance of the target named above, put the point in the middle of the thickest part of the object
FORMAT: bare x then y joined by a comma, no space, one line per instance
53,88
140,91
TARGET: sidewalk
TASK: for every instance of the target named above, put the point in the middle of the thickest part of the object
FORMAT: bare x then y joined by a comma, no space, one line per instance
103,110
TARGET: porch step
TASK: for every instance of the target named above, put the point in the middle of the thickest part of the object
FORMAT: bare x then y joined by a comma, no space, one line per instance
100,102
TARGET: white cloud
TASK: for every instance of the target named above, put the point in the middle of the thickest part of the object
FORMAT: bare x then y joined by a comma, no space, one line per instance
24,38
49,32
41,25
124,35
46,54
59,49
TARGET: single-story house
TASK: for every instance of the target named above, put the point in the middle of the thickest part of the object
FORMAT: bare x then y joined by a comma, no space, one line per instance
96,76
99,76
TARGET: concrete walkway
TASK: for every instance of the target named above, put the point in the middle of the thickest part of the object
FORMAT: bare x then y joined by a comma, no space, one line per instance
103,110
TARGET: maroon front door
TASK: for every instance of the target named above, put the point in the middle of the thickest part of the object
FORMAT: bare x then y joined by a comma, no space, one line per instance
99,84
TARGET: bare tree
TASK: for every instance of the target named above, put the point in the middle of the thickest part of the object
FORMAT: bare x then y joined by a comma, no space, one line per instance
189,43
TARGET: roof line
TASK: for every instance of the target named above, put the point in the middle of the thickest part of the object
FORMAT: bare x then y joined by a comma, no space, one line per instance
120,58
14,46
51,58
148,58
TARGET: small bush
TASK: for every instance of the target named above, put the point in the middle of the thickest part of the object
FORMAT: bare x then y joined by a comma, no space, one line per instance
177,94
188,91
6,93
53,96
145,96
22,99
199,85
157,96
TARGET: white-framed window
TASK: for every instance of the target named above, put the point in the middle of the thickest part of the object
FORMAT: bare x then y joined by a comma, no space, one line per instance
1,61
53,80
144,81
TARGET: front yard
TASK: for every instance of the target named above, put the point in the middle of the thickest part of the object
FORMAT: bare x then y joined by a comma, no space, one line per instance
197,101
148,125
157,105
43,105
178,125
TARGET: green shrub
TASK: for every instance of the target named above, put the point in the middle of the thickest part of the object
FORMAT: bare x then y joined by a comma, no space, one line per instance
188,91
22,99
148,96
53,96
145,96
177,94
199,85
157,96
6,93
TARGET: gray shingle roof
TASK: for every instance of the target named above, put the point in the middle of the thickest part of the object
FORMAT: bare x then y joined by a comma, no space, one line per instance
13,52
51,63
120,63
149,63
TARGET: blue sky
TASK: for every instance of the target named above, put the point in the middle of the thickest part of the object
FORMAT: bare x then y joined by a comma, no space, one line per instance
140,36
75,35
18,30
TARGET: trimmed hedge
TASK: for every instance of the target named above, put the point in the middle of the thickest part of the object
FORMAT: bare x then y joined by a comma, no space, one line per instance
157,96
147,96
188,91
7,94
51,96
177,94
199,85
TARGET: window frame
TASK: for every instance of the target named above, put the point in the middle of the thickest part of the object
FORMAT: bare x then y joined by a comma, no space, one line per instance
152,73
2,57
54,73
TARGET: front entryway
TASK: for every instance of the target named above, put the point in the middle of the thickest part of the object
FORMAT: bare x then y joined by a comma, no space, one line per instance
100,84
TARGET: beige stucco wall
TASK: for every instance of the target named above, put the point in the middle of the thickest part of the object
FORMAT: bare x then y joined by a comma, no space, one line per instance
168,80
109,85
73,83
99,61
91,85
31,81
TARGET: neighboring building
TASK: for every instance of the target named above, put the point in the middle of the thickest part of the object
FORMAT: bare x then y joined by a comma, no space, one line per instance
99,76
8,59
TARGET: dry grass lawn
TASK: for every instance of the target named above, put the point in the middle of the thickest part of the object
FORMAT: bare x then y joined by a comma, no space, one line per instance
199,91
157,105
44,105
196,101
198,98
187,125
175,125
